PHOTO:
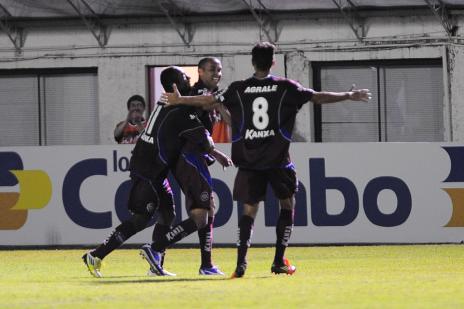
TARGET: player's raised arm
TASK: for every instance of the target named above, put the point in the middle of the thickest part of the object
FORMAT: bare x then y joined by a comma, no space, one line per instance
174,98
322,97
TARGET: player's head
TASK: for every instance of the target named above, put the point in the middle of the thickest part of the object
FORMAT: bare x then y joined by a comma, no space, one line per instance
136,102
262,56
210,72
175,75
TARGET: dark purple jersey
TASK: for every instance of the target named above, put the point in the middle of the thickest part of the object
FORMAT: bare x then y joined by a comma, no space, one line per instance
206,117
170,131
263,114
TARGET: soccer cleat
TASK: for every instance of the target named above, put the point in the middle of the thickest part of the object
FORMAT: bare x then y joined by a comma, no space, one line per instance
154,259
210,271
93,264
166,273
287,268
239,271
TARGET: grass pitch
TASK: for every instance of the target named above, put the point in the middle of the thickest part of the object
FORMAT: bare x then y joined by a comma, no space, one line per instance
424,276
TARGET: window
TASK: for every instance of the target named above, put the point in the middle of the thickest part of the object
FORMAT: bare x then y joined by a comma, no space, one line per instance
407,103
54,107
154,81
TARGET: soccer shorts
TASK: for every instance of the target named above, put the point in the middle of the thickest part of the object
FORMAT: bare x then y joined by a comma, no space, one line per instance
250,185
148,195
192,175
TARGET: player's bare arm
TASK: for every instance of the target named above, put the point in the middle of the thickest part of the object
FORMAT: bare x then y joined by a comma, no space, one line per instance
221,157
174,98
332,97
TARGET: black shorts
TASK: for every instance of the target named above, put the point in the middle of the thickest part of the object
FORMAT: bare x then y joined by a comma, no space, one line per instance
146,196
250,185
192,174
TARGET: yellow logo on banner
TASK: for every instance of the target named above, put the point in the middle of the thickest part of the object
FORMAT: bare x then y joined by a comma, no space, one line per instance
456,175
35,191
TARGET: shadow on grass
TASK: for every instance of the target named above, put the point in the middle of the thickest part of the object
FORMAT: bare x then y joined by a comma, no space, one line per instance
109,280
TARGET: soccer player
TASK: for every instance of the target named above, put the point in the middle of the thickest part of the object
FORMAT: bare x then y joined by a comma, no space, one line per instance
190,171
263,110
173,140
209,73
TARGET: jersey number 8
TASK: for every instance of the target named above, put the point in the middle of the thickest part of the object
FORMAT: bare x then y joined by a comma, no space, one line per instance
260,116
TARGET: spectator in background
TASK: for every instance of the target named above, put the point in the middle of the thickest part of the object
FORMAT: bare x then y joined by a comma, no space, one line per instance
128,130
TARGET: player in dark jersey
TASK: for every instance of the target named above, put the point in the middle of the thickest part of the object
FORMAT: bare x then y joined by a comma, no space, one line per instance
191,172
209,73
263,110
173,139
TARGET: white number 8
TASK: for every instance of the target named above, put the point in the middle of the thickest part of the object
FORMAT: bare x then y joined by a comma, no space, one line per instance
260,117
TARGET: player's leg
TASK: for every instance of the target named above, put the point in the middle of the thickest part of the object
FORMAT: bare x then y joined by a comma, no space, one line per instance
245,231
205,236
249,188
165,215
153,254
197,187
142,204
284,183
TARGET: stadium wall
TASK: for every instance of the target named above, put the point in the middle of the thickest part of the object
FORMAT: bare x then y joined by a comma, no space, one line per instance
122,63
348,193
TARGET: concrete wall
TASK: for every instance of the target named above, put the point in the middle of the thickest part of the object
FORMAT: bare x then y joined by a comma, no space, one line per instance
122,64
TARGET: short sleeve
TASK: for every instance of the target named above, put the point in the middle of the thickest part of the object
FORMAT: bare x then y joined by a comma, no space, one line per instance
298,94
193,131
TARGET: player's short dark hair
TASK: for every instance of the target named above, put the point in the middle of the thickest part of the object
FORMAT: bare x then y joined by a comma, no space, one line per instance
136,97
204,61
168,77
262,55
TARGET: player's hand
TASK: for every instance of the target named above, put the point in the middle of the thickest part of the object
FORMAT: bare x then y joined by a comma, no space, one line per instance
171,98
360,94
222,158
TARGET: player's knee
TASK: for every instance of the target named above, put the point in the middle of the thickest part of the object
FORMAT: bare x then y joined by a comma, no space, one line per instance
250,210
200,217
288,203
140,221
212,207
165,216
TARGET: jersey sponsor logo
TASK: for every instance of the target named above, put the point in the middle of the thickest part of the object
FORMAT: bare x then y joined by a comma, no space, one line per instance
35,191
252,134
146,138
261,89
219,95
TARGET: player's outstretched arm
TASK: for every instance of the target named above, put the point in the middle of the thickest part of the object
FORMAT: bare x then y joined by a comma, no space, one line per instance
332,97
174,98
221,157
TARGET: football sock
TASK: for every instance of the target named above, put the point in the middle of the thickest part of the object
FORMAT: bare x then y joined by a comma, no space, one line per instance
178,232
115,240
245,231
205,235
283,232
159,231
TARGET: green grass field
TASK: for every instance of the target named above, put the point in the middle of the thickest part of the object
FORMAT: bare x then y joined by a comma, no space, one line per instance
424,276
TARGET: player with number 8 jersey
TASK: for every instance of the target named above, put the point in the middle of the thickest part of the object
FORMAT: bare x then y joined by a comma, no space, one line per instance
263,112
263,109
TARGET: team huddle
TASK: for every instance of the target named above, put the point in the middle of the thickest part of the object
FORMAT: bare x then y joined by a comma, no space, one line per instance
261,111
